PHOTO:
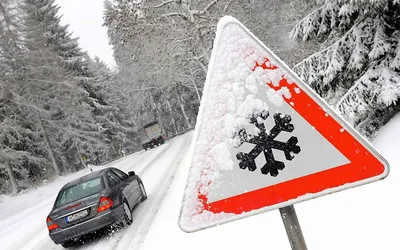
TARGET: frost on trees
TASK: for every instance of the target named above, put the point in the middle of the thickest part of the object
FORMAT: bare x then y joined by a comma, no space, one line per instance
356,69
265,142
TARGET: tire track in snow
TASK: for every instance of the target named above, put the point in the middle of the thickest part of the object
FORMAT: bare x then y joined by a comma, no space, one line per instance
145,166
37,242
143,213
31,214
41,242
144,227
117,161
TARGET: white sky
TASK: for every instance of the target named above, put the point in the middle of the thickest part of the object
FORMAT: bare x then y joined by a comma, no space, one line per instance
85,19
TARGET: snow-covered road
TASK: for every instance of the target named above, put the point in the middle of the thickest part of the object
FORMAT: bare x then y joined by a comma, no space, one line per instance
22,218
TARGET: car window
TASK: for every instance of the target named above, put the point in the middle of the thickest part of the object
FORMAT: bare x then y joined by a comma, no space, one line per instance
115,179
120,174
79,191
111,181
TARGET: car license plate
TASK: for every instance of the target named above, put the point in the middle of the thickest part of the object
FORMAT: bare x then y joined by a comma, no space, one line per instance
76,216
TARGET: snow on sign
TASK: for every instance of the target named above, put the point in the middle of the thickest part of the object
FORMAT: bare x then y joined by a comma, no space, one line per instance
264,139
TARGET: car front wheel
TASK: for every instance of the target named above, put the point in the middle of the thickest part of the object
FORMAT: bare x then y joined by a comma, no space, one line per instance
127,213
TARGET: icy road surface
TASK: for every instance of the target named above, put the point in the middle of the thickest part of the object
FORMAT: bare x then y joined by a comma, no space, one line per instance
364,218
23,218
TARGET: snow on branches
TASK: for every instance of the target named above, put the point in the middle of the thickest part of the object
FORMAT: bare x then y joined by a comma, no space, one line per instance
358,67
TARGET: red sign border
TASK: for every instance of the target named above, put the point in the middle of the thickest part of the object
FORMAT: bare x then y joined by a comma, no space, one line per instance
345,138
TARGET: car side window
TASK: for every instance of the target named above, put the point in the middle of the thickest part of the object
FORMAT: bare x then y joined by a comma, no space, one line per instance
120,174
110,181
113,178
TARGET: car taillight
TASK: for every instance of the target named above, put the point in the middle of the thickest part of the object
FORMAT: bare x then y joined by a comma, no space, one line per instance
51,225
104,204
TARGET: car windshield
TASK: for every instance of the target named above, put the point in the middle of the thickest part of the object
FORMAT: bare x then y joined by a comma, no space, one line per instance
79,191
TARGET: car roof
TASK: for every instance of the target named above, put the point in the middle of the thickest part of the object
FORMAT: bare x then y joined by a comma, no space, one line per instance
86,177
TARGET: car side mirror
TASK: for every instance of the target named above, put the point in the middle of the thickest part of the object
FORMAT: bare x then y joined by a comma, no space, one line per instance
131,173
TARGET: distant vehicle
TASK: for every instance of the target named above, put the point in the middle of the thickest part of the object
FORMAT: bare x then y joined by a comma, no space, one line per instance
150,135
92,202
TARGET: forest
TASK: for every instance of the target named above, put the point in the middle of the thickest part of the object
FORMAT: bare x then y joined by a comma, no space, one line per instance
61,110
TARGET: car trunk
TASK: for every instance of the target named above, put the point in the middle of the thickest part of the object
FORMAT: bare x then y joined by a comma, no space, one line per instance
76,212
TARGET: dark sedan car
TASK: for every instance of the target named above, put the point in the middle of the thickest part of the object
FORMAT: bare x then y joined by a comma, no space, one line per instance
92,202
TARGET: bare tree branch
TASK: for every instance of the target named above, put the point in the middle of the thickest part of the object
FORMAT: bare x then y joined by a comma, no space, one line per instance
227,6
160,5
184,17
202,12
144,89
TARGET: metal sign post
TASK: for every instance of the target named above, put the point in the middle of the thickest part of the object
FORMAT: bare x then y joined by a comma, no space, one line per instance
293,229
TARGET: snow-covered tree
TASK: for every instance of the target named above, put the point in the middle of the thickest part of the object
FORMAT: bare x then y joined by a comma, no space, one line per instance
113,116
59,105
357,70
150,84
54,114
13,125
191,19
162,49
77,62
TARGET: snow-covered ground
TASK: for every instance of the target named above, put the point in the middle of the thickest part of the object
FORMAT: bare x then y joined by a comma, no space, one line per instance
362,218
23,218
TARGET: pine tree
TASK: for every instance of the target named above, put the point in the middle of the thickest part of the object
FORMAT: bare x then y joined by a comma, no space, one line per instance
59,109
113,115
15,131
76,62
358,68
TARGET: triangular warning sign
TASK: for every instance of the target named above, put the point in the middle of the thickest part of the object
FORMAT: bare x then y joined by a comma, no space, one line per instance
264,139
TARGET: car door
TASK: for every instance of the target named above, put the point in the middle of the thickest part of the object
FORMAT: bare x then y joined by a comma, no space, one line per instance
137,193
118,185
129,189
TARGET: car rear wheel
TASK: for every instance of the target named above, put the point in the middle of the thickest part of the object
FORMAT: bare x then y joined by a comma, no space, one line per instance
143,191
127,213
67,244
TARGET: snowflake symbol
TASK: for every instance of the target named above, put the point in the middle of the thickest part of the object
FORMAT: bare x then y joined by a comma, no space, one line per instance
264,142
